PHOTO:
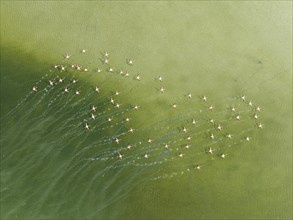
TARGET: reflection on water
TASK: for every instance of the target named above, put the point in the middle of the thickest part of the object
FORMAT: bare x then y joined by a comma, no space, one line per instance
81,139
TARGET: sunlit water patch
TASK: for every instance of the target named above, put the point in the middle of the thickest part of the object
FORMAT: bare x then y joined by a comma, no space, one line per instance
84,138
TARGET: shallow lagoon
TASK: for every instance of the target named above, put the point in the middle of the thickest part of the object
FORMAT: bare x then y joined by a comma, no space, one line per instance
214,49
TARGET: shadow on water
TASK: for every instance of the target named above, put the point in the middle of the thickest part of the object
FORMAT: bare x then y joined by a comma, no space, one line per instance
19,70
43,161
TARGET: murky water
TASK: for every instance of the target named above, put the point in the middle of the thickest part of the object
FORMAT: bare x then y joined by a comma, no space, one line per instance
170,136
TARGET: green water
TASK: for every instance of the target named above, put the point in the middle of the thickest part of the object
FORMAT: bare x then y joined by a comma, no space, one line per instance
221,50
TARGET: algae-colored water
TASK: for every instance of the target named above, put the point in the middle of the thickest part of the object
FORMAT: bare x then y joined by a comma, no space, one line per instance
219,49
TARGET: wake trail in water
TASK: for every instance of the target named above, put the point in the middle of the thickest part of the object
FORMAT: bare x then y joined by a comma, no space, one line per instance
107,139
